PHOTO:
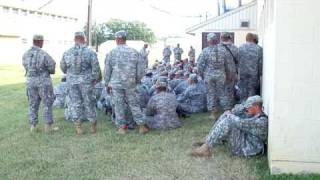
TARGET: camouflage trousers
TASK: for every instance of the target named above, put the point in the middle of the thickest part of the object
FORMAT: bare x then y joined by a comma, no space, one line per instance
230,94
248,87
82,102
166,59
216,96
123,97
37,91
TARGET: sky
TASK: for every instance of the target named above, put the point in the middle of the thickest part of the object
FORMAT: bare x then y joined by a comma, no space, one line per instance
164,17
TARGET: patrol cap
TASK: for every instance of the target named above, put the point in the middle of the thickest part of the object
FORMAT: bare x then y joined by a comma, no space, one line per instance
226,35
211,36
164,73
38,37
120,34
79,33
252,100
193,77
162,82
179,72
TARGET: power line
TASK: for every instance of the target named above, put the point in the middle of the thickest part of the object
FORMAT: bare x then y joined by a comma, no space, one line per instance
46,4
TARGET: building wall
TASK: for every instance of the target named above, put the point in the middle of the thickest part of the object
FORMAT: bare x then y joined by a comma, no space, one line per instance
291,83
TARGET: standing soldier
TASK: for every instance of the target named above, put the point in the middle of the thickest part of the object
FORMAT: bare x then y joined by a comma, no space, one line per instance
83,71
123,71
39,65
192,54
250,62
232,61
145,53
212,65
166,54
177,53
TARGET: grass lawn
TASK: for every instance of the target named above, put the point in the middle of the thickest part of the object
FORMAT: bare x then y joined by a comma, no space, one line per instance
105,155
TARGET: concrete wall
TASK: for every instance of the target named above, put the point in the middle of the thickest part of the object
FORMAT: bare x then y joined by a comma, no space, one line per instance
291,83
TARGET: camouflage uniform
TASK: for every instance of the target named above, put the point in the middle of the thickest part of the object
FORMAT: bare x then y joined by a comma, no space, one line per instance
212,65
39,65
193,99
161,111
245,134
177,53
147,82
166,54
232,61
144,56
181,87
123,71
83,71
250,62
192,55
60,92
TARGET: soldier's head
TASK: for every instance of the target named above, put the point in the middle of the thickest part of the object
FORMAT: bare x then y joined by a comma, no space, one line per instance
186,75
121,37
79,38
38,40
191,47
161,84
212,39
250,37
178,45
64,78
149,73
253,105
256,39
179,74
226,37
193,79
145,46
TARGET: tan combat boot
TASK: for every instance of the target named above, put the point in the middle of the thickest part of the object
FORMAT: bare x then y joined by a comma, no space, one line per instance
202,151
143,129
94,127
121,131
78,128
33,128
47,128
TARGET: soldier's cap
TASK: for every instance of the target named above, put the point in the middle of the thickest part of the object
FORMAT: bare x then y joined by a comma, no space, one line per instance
164,73
179,72
162,82
38,37
252,100
226,35
211,36
193,77
79,34
120,34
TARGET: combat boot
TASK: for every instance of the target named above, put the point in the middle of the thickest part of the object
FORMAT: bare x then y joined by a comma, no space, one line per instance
94,127
121,131
78,128
214,114
202,151
47,128
143,129
33,128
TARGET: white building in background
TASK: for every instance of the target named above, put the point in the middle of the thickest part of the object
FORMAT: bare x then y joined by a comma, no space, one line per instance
290,31
239,21
18,24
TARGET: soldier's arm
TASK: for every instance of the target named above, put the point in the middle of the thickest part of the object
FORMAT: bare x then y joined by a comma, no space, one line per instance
260,61
255,125
107,69
50,63
63,64
96,70
150,110
201,64
25,61
139,68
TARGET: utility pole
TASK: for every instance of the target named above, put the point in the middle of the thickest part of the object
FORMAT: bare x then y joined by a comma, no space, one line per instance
218,5
240,3
89,23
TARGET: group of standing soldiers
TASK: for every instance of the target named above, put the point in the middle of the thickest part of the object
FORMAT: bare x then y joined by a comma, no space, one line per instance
183,87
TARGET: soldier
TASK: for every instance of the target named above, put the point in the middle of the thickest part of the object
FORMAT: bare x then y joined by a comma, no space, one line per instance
39,65
212,65
123,71
60,92
256,41
250,62
183,85
147,79
232,61
144,54
166,54
177,53
193,99
161,109
192,54
245,129
177,80
83,71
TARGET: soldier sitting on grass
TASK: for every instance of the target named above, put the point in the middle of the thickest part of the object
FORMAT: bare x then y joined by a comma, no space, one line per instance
245,129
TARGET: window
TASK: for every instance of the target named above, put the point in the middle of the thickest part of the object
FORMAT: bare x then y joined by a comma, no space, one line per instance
244,24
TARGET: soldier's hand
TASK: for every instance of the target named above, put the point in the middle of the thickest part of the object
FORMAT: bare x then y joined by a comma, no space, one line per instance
109,89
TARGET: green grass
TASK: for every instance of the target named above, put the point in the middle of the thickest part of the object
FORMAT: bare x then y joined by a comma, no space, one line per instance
63,155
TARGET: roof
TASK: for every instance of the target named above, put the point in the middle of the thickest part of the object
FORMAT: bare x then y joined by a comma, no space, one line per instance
247,11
